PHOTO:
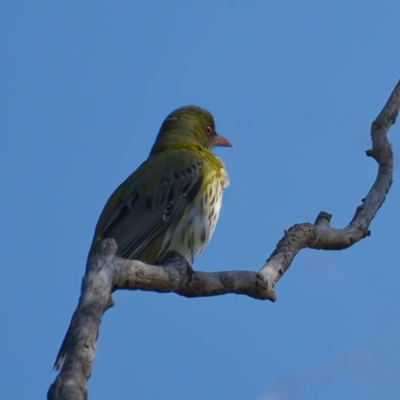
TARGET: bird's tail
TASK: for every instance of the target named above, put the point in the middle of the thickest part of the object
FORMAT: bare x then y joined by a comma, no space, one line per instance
62,353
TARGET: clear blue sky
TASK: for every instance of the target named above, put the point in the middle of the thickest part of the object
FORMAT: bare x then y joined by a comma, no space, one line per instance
294,85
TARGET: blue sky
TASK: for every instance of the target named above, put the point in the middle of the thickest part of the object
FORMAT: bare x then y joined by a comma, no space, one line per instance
294,85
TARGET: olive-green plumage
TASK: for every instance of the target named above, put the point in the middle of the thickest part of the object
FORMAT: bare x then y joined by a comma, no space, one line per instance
173,200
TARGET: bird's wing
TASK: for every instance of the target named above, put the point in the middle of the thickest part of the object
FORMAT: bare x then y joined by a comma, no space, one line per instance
144,206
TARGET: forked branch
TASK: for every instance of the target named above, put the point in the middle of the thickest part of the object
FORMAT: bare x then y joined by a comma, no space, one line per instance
106,273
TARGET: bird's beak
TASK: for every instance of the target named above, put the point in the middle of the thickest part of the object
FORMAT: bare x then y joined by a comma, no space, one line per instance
221,141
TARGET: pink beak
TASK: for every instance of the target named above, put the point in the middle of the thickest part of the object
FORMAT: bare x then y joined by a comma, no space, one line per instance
221,141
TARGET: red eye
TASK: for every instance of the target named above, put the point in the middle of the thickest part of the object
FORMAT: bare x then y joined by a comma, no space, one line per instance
209,130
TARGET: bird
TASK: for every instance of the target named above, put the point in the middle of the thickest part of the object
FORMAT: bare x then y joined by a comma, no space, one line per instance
172,202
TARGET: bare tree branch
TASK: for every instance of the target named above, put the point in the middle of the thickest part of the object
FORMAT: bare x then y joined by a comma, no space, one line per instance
320,235
106,273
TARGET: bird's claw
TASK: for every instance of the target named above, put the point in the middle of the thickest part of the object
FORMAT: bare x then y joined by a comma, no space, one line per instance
175,260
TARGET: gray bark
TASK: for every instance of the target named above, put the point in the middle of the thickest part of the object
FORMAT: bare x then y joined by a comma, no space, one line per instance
106,273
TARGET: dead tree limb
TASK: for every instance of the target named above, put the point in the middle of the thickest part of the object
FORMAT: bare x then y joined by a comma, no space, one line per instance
106,273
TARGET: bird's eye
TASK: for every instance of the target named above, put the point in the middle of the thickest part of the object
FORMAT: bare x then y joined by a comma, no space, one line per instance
209,130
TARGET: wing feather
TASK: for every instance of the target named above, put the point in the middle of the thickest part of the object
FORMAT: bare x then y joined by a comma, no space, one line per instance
152,198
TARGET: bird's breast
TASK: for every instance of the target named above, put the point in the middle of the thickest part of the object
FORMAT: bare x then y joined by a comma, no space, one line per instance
195,229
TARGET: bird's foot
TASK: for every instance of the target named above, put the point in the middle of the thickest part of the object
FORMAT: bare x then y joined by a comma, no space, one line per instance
174,260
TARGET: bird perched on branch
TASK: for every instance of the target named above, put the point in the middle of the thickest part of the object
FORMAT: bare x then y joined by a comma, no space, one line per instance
172,201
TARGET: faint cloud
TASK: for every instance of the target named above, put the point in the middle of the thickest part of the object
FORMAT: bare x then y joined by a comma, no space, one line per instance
321,269
367,361
292,386
271,397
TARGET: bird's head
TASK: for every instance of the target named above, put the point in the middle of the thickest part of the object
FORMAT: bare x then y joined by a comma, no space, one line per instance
188,126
